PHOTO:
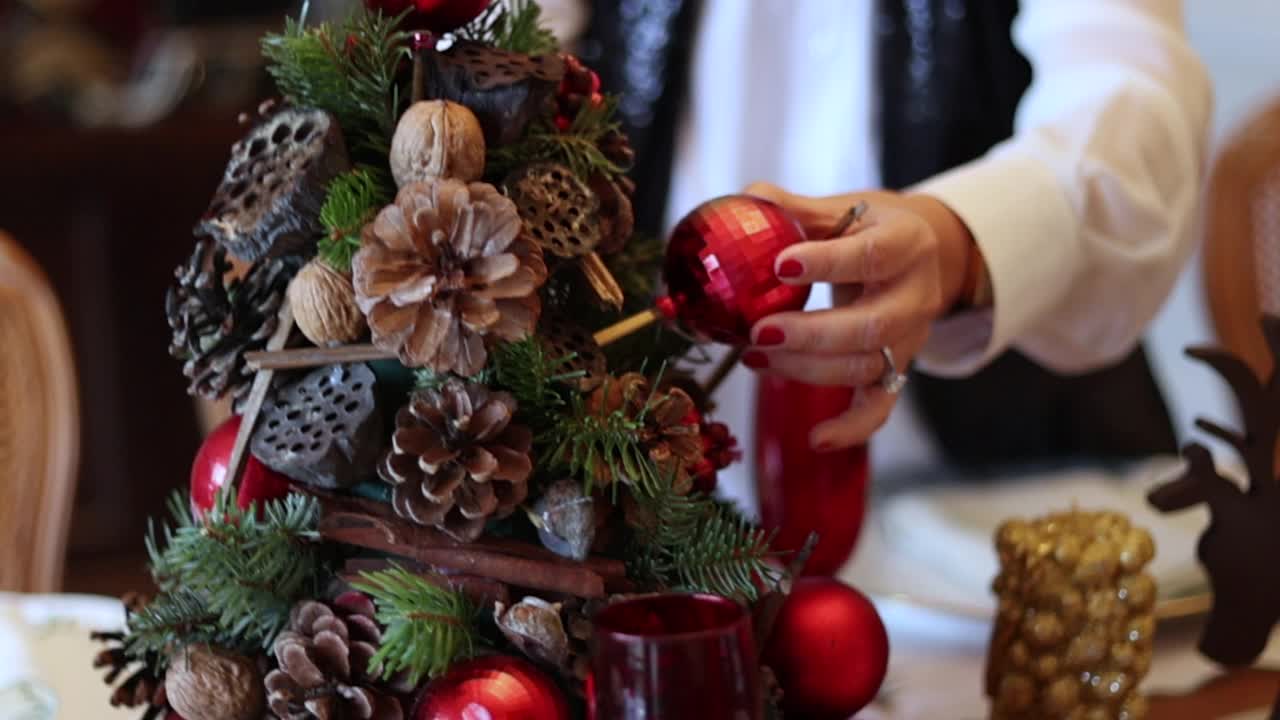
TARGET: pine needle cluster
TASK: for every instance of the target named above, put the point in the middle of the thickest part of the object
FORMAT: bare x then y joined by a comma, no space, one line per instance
230,577
348,68
578,147
353,200
513,25
584,442
428,628
701,544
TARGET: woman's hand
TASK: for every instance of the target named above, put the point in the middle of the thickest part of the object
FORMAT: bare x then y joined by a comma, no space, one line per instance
894,272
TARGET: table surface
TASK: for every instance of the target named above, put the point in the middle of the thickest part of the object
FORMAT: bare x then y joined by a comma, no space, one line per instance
46,637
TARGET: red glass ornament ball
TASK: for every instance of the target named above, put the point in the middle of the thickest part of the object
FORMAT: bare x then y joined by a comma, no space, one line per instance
829,650
438,15
493,687
719,266
259,483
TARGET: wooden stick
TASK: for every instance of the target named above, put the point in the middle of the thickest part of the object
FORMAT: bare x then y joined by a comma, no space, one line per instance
309,357
625,327
726,366
258,394
766,613
601,280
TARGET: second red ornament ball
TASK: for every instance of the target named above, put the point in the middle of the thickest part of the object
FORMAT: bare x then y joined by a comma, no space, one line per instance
829,650
493,687
259,483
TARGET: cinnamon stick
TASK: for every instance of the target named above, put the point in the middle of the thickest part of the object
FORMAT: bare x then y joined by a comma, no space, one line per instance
480,590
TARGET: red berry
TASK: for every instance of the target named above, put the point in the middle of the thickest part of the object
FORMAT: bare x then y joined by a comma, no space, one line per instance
597,100
563,123
595,82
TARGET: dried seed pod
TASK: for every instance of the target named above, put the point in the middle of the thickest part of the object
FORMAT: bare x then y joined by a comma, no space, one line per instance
617,216
271,193
210,683
566,519
323,430
565,340
324,305
559,211
534,626
504,89
435,139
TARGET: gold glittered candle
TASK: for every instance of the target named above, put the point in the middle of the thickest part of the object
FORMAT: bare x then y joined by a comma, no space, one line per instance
1075,621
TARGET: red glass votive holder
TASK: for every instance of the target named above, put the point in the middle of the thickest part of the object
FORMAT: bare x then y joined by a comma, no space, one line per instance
674,656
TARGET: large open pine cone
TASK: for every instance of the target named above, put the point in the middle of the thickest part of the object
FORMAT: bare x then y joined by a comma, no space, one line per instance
324,668
214,322
456,459
670,431
442,270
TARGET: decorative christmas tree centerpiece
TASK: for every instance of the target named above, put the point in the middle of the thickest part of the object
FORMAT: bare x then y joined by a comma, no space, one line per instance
437,474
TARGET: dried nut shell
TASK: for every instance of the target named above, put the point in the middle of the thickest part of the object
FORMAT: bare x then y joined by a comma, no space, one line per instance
209,683
434,139
324,305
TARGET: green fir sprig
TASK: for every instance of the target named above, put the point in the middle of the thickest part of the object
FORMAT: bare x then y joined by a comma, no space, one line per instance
172,618
349,68
578,147
246,571
513,25
583,442
428,628
353,200
701,544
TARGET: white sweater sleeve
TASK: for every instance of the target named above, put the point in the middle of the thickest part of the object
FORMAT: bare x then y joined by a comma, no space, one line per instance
1086,215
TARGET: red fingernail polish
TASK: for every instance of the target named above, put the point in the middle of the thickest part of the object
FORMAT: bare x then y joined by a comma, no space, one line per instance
770,336
790,269
755,360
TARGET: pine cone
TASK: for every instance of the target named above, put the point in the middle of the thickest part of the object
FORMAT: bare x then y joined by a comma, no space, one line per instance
442,270
214,323
324,664
144,687
670,432
456,460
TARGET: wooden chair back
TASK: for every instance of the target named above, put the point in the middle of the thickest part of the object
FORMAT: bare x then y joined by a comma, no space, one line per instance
1242,236
39,426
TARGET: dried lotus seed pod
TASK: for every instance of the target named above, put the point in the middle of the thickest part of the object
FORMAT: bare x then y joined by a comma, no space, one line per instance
275,183
1074,627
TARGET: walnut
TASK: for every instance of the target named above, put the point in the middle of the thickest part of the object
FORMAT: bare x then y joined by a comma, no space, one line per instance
437,139
324,305
210,683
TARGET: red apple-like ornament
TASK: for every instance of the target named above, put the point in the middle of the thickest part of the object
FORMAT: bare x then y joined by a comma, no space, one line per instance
828,649
436,15
493,687
259,483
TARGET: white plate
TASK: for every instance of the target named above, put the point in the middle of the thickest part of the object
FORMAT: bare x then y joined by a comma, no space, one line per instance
934,548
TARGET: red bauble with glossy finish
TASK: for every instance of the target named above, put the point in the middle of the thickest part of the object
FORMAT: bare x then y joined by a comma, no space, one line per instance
802,490
438,15
829,650
209,472
492,687
719,266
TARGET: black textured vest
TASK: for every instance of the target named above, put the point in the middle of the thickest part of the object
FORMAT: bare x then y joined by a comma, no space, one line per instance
950,80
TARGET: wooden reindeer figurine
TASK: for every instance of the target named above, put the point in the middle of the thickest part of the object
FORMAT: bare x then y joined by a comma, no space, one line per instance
1240,547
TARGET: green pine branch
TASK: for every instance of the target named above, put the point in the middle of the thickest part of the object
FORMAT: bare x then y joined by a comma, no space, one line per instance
578,147
582,442
173,618
353,200
246,570
700,544
348,68
427,627
513,25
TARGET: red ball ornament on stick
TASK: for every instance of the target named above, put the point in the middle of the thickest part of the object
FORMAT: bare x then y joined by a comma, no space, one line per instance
719,270
829,650
437,15
209,472
492,687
